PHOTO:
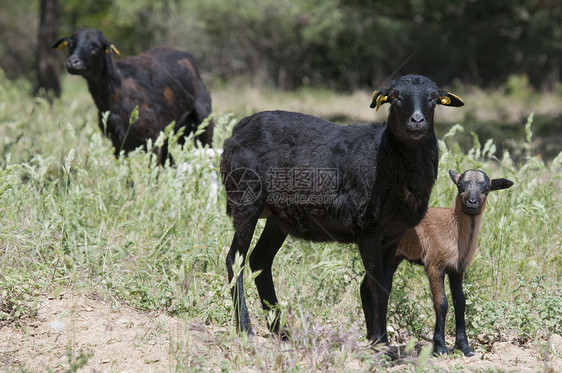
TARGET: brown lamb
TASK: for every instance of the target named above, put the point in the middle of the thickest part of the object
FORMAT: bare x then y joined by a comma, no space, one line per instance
445,242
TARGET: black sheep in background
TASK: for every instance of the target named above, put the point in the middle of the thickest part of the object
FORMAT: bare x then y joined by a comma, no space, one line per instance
163,82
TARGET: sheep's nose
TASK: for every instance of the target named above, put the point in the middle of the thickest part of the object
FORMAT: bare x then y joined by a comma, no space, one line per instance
417,118
73,61
74,64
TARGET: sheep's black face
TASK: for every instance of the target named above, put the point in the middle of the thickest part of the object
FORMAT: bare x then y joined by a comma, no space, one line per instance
413,99
87,49
473,187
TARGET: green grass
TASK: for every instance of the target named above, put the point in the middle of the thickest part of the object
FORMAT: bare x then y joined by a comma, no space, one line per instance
74,218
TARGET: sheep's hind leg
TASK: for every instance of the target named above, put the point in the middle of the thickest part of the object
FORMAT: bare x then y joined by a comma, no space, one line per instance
459,302
240,244
261,259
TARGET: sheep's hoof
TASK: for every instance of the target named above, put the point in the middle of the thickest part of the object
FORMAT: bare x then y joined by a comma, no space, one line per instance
440,350
246,329
465,350
283,333
391,352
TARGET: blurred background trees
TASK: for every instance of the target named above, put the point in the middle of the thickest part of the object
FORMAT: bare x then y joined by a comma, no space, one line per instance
335,44
47,62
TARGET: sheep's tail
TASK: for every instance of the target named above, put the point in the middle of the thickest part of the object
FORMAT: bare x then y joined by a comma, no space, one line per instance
225,168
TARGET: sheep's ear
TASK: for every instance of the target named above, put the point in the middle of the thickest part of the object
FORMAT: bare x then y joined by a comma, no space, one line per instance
449,99
110,48
501,184
379,97
60,44
454,176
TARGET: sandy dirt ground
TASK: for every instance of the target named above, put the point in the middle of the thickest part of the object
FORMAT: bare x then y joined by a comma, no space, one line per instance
71,328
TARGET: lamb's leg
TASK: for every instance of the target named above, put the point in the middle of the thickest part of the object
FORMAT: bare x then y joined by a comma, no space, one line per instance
261,259
240,243
459,302
440,305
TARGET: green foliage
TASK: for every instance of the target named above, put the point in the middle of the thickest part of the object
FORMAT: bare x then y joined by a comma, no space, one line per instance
74,217
327,43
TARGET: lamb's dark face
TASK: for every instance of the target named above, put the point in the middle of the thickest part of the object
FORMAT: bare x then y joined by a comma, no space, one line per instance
473,187
87,49
413,99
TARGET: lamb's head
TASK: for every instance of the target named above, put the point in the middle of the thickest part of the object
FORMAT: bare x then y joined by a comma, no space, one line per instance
473,187
412,101
87,50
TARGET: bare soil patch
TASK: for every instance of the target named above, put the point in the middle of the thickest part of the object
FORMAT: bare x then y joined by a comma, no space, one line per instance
117,338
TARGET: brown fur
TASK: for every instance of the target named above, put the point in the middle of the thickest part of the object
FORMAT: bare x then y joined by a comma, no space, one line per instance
445,242
445,238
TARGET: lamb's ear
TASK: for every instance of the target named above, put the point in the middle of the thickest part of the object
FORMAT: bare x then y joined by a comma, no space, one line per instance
454,176
61,44
501,184
449,99
379,97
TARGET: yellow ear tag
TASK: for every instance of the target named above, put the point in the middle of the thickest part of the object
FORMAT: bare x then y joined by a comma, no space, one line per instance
115,50
373,96
445,100
63,45
380,100
457,97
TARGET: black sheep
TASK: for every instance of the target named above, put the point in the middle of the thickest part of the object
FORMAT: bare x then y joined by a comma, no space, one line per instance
315,180
163,82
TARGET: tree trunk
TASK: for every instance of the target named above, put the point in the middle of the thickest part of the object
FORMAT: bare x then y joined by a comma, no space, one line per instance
48,61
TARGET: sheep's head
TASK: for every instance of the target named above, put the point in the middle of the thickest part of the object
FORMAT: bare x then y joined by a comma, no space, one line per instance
412,101
87,50
473,187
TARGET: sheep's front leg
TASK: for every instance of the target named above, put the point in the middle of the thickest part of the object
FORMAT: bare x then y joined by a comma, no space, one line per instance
459,302
375,290
436,278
